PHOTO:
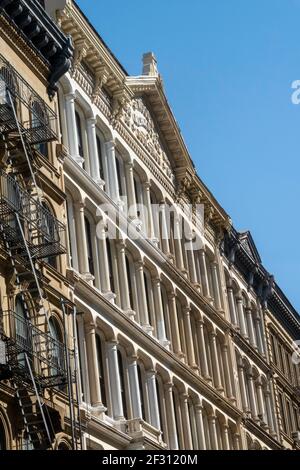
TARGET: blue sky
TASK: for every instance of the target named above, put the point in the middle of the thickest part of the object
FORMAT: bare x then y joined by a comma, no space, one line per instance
227,67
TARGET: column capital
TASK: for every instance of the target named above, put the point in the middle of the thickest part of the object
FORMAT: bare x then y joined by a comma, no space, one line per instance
110,144
79,205
171,295
186,309
70,96
146,185
168,386
91,121
139,265
129,164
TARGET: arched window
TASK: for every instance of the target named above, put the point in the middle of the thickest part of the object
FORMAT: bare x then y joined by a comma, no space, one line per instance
122,384
88,235
7,94
2,436
120,175
56,349
101,377
39,122
110,264
50,232
23,331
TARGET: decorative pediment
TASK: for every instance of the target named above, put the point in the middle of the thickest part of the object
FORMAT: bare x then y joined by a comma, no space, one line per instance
139,120
248,245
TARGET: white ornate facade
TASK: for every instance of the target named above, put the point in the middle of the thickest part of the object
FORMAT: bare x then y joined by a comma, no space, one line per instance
174,344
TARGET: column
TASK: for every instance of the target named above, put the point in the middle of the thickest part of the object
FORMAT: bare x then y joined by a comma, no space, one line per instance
250,326
93,151
153,399
202,353
188,442
177,243
261,401
115,384
136,398
236,441
174,325
200,426
270,409
242,381
81,239
227,372
164,229
72,128
143,307
102,248
232,307
204,276
240,309
148,219
215,361
258,328
172,429
95,392
213,432
252,395
226,437
189,337
112,171
131,200
159,312
215,281
124,287
191,261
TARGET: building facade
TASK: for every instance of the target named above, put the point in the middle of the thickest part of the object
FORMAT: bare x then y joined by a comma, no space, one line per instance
183,340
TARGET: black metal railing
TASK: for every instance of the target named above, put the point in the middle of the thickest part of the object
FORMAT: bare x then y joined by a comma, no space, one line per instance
15,92
44,233
47,356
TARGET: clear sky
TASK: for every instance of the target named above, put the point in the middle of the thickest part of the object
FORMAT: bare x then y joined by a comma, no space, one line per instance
228,66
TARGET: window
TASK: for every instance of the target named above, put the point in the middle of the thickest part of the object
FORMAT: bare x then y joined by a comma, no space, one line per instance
128,272
50,232
23,331
101,370
89,245
141,389
7,93
39,122
79,134
110,265
122,384
120,175
100,158
57,352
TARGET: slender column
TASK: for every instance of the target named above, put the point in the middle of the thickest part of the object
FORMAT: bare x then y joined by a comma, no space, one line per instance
225,436
261,401
160,321
116,397
200,426
204,275
270,415
164,229
215,281
93,150
213,432
215,361
189,336
227,372
250,326
104,268
81,239
143,308
72,128
240,309
232,306
191,261
174,325
172,429
112,171
132,210
236,441
153,399
177,243
202,353
136,398
242,381
95,392
252,395
149,219
188,442
124,287
257,326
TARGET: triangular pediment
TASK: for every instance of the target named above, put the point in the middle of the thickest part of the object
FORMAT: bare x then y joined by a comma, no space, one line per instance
249,246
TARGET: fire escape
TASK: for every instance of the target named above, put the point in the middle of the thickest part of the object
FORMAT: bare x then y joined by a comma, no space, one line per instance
35,362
